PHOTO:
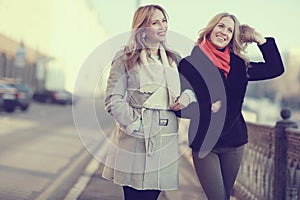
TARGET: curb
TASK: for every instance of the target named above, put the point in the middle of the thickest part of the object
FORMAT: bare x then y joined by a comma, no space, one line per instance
83,180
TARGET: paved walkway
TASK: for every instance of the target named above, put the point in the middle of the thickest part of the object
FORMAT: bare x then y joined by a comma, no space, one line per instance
91,186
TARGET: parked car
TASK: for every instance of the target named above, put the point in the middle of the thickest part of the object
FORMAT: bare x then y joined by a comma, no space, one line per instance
53,96
24,95
8,97
16,93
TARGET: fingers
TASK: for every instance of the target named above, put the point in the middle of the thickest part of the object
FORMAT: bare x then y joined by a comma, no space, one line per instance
182,102
177,106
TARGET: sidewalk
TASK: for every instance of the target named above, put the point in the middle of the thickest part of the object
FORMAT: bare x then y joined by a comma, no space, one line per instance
91,186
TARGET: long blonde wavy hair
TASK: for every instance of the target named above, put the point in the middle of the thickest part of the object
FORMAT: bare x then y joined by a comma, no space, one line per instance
136,43
236,45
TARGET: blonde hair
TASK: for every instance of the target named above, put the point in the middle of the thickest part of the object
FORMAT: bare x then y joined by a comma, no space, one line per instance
236,45
136,44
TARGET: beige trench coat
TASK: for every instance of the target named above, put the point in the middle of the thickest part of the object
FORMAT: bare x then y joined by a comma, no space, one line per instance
134,159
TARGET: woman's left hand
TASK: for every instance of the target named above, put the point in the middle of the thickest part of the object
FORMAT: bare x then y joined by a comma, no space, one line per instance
182,102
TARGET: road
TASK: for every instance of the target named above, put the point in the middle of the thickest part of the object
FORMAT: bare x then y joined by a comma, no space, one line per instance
41,152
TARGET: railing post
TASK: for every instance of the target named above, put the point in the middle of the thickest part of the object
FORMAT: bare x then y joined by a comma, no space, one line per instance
280,169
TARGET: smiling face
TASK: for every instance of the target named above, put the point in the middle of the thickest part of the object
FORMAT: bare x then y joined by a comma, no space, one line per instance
156,29
222,33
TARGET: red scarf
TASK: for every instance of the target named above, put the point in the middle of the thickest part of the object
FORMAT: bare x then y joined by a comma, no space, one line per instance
220,58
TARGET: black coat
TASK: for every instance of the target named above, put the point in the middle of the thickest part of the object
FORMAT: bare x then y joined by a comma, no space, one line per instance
209,84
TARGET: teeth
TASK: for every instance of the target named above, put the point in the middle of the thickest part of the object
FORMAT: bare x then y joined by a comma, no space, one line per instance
221,38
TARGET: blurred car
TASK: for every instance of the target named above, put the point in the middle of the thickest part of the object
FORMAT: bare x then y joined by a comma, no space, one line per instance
24,95
8,97
53,96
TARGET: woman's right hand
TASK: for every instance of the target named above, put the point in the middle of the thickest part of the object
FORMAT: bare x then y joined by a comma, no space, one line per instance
215,107
259,38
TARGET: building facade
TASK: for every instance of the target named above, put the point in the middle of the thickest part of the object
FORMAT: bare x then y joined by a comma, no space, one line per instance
57,37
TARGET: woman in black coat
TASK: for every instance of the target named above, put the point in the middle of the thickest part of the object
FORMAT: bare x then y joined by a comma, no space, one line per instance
214,79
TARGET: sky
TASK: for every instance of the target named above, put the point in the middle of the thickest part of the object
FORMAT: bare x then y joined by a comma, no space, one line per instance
275,18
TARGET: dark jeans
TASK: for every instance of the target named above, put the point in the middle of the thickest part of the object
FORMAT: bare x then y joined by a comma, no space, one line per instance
218,170
133,194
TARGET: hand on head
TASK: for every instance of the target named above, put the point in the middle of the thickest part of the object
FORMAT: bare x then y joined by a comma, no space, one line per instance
249,35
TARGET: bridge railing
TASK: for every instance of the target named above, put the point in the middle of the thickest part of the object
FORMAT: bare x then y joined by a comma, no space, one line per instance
270,169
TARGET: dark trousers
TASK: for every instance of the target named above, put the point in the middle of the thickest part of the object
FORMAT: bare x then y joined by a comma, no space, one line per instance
133,194
218,170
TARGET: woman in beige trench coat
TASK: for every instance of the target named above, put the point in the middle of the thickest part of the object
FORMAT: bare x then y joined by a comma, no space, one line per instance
142,86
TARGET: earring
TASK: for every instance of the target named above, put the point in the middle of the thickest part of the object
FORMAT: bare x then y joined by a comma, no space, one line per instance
144,36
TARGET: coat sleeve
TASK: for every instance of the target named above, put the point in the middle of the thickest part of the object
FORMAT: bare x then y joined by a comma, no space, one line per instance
272,65
116,103
190,79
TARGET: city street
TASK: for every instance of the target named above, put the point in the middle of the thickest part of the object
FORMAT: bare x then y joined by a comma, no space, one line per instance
41,154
